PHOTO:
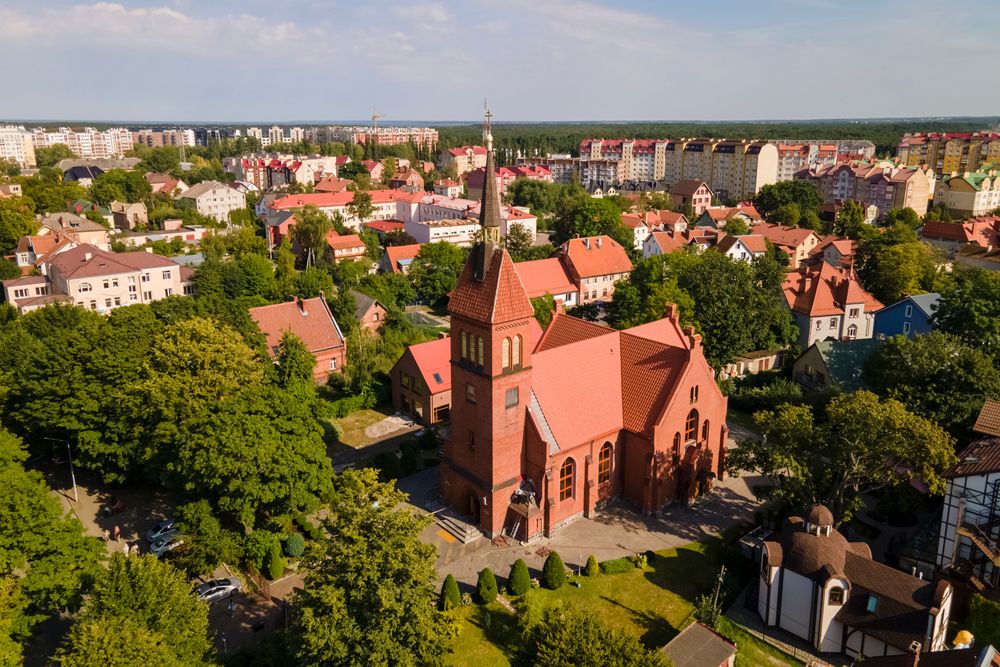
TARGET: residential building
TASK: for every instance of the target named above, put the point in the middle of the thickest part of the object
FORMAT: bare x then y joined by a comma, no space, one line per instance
277,210
549,276
369,314
945,153
949,657
406,178
296,134
976,256
504,177
863,148
594,264
10,190
796,241
638,223
969,194
566,169
165,183
276,135
75,228
910,316
268,170
742,248
755,362
829,592
89,143
641,159
163,137
83,175
255,133
17,144
375,169
397,258
664,243
349,246
423,206
447,188
693,193
388,135
172,229
883,184
983,231
716,217
834,363
127,216
793,157
741,168
829,303
313,323
836,251
465,159
459,231
699,646
332,184
96,279
421,382
213,199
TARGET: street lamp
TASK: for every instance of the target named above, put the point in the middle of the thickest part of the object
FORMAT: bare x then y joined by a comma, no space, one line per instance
72,474
225,647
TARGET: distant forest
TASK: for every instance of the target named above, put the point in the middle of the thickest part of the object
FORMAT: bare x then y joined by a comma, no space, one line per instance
541,138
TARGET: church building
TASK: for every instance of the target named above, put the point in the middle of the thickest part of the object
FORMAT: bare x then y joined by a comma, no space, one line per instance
546,425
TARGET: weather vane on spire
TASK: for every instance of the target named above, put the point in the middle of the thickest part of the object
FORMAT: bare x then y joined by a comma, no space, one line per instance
487,128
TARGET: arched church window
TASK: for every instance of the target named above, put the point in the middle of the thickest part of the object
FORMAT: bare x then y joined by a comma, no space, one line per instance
515,352
691,427
566,480
604,463
505,354
479,343
465,347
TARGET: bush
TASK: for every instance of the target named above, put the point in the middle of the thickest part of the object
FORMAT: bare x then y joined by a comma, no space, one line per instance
429,440
450,597
299,519
554,572
314,534
984,621
617,566
519,581
706,611
409,462
295,545
592,569
275,565
308,526
641,561
388,465
486,587
257,546
766,397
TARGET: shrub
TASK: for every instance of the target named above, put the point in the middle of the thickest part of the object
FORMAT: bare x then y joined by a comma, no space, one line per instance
299,519
275,565
592,569
409,463
257,546
486,587
308,526
295,545
617,566
450,597
429,440
519,580
641,561
554,572
984,621
706,611
314,534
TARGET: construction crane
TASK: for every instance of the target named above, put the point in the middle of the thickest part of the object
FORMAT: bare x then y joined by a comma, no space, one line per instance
375,115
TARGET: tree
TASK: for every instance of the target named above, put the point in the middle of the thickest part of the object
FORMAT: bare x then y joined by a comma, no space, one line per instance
295,366
274,565
810,220
114,642
206,543
486,587
295,545
786,214
120,185
361,208
436,268
865,443
311,229
450,597
586,216
519,580
143,599
576,639
935,376
519,240
890,271
285,272
9,270
367,597
851,222
243,241
543,306
737,227
53,155
398,237
773,196
258,276
17,219
553,572
312,282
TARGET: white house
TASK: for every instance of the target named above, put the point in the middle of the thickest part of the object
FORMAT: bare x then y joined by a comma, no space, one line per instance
829,592
214,199
744,248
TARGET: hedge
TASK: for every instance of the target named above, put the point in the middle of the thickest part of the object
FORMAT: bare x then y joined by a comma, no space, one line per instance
295,545
554,572
486,587
617,566
450,597
519,580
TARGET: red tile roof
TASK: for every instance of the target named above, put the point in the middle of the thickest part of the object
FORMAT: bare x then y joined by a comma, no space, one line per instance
75,263
988,421
789,237
309,319
434,357
981,230
477,150
332,184
754,242
566,330
347,242
499,297
385,226
397,253
328,199
650,371
825,290
545,275
595,256
844,246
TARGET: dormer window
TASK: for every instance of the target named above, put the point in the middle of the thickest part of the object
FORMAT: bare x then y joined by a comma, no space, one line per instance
872,604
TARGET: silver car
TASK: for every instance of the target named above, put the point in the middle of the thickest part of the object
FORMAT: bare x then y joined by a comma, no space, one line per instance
165,544
217,589
159,530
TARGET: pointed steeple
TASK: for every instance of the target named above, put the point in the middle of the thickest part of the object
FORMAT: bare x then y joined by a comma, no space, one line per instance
489,209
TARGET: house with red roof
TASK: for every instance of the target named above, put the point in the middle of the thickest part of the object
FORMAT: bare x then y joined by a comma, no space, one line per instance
692,192
983,231
465,159
664,243
406,178
742,248
164,183
796,241
383,227
642,224
836,251
332,184
375,169
548,276
716,217
421,381
827,302
447,188
594,264
348,246
397,258
504,177
314,324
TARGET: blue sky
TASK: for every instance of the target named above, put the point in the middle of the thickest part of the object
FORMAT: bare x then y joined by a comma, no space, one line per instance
546,60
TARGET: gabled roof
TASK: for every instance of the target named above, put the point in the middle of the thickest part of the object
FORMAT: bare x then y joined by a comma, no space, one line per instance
825,290
754,242
476,150
697,646
332,184
385,225
433,358
650,370
498,297
988,421
980,458
981,230
687,187
70,222
365,303
596,256
198,190
309,319
845,359
791,237
543,276
346,242
566,330
89,261
401,253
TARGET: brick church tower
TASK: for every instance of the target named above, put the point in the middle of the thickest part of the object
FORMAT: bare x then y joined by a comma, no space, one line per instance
491,374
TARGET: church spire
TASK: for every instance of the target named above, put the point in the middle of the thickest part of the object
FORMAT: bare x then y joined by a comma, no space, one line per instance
489,207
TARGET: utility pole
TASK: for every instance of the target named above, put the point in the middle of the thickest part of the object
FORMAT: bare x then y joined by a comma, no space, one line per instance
72,474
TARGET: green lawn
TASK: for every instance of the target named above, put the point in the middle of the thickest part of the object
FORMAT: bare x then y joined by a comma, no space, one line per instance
354,425
752,652
654,604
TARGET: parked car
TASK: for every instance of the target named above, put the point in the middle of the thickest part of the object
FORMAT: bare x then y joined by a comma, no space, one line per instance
165,545
218,589
159,530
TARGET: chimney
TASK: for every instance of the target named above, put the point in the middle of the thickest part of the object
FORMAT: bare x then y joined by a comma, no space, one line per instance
586,244
598,242
302,306
87,256
670,312
915,647
694,338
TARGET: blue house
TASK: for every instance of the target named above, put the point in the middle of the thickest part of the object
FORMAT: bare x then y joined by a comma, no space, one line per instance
909,316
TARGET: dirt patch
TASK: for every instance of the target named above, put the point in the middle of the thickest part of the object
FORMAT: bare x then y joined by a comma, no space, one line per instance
388,425
355,424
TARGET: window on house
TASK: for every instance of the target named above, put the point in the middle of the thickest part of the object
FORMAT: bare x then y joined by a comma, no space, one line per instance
515,352
566,480
472,440
819,325
118,301
147,296
479,344
836,595
909,311
854,312
833,322
85,287
145,277
694,394
852,331
93,305
107,303
418,409
333,364
604,463
418,385
691,426
704,430
470,393
404,379
872,603
906,327
107,284
131,280
512,397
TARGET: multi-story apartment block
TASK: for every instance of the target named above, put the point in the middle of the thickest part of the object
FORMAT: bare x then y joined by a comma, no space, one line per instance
882,184
276,135
388,135
256,133
17,144
296,134
214,199
863,148
740,168
642,159
504,177
157,138
465,159
266,170
88,143
969,194
945,153
563,168
99,280
792,157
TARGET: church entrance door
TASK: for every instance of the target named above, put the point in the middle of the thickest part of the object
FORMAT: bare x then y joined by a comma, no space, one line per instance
474,509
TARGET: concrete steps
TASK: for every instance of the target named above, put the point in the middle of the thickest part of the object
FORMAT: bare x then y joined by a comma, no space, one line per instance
461,528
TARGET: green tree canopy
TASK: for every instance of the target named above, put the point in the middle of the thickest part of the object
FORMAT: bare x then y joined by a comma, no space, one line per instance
773,196
436,268
310,230
969,308
120,185
518,241
17,219
53,155
587,216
